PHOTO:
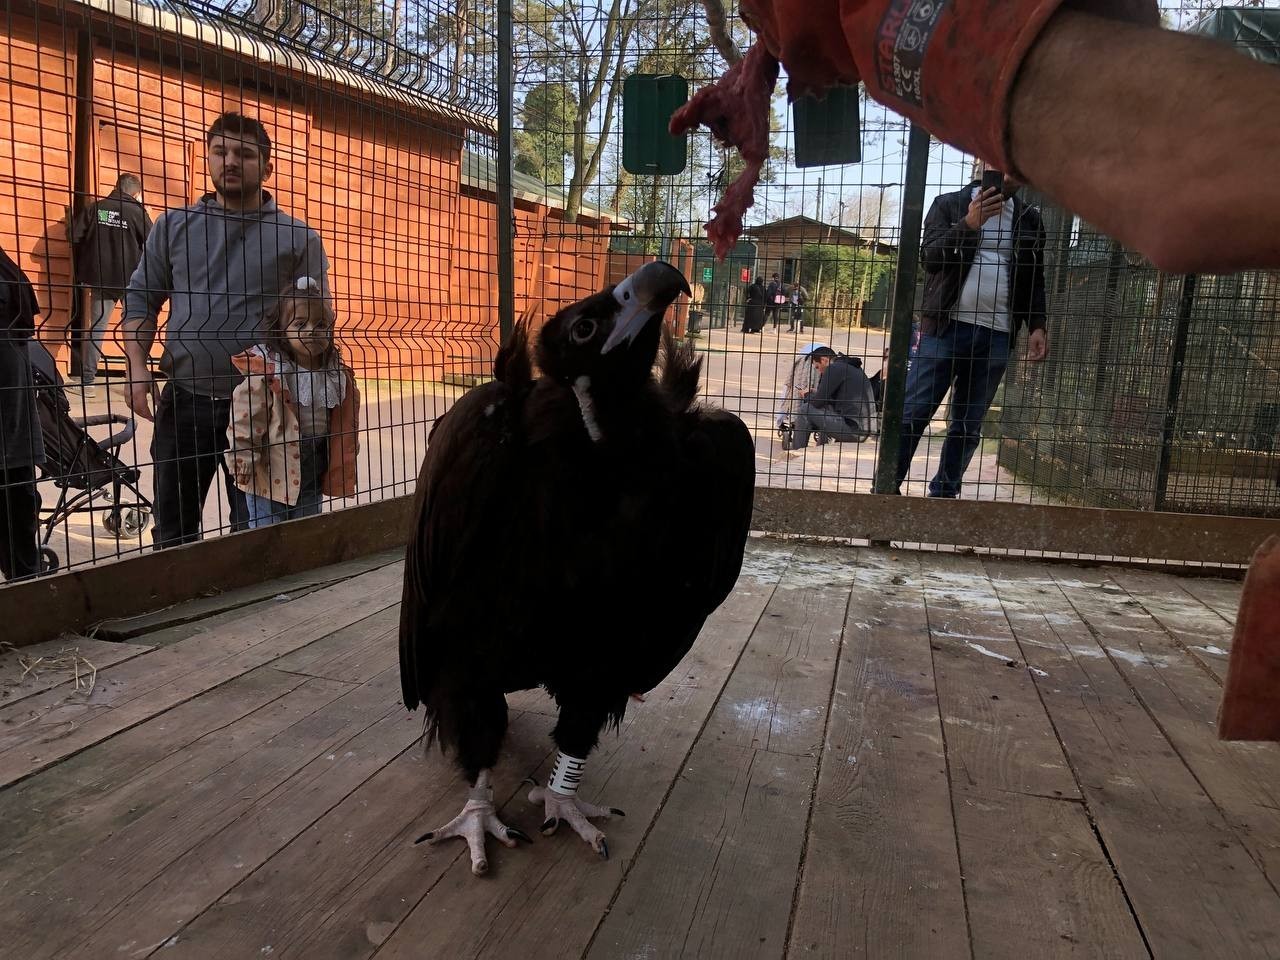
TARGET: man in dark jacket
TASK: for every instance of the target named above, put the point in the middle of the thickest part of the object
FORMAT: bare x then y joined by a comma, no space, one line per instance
774,298
842,406
108,237
983,255
21,446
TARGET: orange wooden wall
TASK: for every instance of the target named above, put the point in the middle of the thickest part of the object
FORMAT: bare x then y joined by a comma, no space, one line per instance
412,257
37,96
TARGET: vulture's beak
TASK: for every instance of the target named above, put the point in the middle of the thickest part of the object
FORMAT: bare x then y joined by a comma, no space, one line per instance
642,296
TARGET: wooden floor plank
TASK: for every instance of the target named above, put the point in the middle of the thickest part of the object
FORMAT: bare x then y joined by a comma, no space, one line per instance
43,729
750,775
352,654
998,735
878,882
776,698
60,911
559,885
361,851
1204,634
51,818
55,663
1220,596
1194,888
1037,880
1242,779
718,869
190,884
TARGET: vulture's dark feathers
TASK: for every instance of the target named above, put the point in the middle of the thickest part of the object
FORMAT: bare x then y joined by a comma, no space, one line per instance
544,554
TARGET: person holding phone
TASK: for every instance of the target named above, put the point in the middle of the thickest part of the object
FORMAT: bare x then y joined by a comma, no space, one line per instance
983,256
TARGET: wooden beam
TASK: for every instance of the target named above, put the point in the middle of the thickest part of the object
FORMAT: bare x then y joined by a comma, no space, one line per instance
71,602
1119,534
1251,701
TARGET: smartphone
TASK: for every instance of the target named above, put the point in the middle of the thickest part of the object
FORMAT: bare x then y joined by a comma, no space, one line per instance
992,180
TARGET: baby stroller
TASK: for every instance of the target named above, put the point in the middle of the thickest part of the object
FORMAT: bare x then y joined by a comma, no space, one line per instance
81,467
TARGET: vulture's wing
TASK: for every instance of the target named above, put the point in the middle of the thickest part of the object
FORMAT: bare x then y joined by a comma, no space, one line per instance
462,516
711,499
719,465
721,472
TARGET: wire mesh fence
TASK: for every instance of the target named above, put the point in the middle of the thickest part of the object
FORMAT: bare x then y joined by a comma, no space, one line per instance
139,222
1158,392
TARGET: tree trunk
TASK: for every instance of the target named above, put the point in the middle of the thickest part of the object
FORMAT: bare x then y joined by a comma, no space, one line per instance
460,47
718,28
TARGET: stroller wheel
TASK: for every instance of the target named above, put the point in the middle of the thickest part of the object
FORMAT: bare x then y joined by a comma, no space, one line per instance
111,521
134,522
49,561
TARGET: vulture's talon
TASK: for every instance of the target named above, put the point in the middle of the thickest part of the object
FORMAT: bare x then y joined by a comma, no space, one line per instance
476,819
577,813
550,826
519,835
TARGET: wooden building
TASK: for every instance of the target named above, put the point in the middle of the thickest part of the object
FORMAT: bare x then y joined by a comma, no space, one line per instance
780,244
407,214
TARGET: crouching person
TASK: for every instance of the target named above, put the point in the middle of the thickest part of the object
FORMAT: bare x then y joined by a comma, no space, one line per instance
842,407
295,416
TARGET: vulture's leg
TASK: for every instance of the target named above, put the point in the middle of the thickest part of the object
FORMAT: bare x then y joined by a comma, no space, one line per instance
482,721
575,734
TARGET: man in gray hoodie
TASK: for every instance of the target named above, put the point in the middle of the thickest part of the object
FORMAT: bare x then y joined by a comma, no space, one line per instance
219,263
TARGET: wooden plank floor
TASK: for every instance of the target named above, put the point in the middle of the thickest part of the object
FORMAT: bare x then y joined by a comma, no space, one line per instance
867,754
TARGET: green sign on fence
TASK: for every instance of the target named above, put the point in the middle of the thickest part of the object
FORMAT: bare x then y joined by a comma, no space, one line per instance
828,131
648,101
708,274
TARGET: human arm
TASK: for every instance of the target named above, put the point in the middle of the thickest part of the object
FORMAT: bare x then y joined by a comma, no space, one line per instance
146,294
79,227
249,420
1191,185
950,241
822,395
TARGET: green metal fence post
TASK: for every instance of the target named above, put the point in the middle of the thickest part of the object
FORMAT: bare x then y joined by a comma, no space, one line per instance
903,308
1179,361
506,165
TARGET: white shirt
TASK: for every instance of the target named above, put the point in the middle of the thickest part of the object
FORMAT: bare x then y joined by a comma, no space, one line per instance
984,301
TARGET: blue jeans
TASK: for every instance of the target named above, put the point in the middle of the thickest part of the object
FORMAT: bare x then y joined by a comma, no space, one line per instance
970,361
313,463
102,304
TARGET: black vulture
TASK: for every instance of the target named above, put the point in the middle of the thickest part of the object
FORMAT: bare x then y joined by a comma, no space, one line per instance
573,531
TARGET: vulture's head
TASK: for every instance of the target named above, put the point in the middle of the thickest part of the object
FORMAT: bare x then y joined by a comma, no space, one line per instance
609,341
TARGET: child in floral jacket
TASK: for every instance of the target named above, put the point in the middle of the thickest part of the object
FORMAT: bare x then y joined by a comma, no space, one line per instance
295,416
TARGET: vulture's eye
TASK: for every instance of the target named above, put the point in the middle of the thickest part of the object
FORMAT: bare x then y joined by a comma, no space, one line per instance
583,330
